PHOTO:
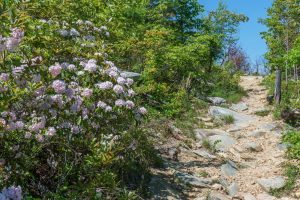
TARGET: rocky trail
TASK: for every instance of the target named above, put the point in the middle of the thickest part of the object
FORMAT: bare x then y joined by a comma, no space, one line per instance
242,160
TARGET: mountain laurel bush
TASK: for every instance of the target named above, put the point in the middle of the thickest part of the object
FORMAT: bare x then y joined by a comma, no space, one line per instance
68,123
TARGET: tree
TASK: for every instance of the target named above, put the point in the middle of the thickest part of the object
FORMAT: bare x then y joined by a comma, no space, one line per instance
224,24
283,24
238,58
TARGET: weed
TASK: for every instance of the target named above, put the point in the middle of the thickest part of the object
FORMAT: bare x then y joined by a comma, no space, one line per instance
228,119
203,173
262,113
211,147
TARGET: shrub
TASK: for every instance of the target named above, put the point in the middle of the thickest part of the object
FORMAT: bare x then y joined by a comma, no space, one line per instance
68,124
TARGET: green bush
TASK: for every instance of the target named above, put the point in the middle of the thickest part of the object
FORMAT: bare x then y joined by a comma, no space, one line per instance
292,138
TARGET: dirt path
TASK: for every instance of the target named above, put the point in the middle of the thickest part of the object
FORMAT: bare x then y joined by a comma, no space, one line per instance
264,163
248,165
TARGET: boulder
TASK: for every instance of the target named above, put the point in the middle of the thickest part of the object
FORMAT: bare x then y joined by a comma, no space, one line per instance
190,180
216,100
239,107
271,183
241,120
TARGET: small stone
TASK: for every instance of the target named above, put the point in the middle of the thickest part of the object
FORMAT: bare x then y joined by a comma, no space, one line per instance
239,107
252,146
269,127
160,188
200,198
234,129
209,124
206,119
283,146
233,189
204,154
201,134
248,196
216,100
190,180
176,132
271,183
133,75
265,197
229,169
173,153
217,187
214,195
257,133
224,182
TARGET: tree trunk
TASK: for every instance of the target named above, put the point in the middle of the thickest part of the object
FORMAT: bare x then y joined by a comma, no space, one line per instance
277,95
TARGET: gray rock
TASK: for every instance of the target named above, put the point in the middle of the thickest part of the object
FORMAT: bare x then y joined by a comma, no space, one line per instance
257,133
221,142
214,195
216,100
248,196
224,182
269,127
234,128
162,190
233,189
239,107
240,119
201,134
229,169
204,154
265,197
190,180
201,198
252,146
132,75
283,146
271,183
206,119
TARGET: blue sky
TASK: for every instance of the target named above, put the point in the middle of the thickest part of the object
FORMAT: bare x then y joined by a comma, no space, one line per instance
250,38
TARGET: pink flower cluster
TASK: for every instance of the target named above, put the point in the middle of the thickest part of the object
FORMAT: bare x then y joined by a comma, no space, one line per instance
10,43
